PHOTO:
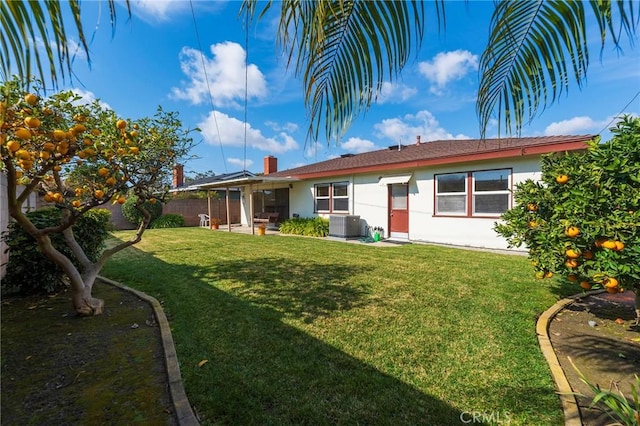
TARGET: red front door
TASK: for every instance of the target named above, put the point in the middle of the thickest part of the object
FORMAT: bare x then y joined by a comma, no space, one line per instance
399,210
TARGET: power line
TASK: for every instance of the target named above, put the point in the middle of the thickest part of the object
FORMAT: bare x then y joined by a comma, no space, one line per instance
618,114
246,88
206,78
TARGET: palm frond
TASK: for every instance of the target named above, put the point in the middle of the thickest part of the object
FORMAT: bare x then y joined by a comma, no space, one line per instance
33,29
535,50
344,50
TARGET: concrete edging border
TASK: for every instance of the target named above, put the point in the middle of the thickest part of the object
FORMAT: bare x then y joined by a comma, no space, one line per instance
183,411
565,393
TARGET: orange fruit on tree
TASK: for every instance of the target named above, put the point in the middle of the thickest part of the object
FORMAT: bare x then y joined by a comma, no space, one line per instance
548,274
532,207
95,132
588,255
572,254
103,171
111,181
571,263
540,275
57,168
572,231
610,282
609,244
134,150
585,285
121,124
121,200
532,224
76,203
32,122
23,154
31,99
13,146
59,134
78,128
152,200
98,193
22,133
48,197
45,155
562,179
619,245
572,278
48,146
612,290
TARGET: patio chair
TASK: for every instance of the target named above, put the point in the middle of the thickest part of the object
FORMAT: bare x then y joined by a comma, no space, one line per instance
204,220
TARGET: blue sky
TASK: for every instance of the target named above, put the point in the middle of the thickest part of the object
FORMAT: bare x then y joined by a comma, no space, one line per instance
156,58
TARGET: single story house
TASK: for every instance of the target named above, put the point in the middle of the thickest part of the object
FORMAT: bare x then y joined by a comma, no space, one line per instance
446,191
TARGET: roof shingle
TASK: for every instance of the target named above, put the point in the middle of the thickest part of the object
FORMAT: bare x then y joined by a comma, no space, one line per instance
437,152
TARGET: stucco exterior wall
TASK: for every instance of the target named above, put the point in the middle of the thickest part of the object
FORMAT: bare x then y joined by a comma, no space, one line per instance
368,199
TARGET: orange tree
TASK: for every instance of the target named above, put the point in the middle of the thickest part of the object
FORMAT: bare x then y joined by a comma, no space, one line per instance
81,156
581,220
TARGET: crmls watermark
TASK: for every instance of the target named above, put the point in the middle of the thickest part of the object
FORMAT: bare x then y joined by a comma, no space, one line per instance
493,417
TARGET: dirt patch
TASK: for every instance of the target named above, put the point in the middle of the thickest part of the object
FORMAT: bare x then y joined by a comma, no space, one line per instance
599,335
58,368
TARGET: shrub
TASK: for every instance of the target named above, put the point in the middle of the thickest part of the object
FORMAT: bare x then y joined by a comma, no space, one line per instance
309,227
29,271
168,221
581,222
134,216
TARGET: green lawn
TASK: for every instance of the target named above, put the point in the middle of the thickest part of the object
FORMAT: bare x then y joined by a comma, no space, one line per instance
308,331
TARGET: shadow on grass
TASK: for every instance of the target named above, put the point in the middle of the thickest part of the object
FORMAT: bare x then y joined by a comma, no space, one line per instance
261,370
305,290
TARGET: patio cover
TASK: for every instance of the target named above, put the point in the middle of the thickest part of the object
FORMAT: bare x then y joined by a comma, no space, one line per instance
237,183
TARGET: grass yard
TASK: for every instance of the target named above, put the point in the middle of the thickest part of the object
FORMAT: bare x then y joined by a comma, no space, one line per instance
307,331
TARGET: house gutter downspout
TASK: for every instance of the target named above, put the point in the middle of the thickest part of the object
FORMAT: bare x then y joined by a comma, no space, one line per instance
253,231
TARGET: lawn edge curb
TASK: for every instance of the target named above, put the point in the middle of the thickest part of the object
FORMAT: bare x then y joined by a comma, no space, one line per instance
564,391
182,408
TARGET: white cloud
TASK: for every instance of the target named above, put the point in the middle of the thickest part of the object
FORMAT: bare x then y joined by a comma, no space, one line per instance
575,125
286,127
88,97
232,133
158,10
240,162
448,66
405,129
395,93
226,74
357,145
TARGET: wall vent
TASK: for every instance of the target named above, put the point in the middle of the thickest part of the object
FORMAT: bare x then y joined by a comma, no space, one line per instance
344,226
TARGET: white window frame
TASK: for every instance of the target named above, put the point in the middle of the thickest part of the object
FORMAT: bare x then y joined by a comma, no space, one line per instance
470,194
449,194
331,197
506,192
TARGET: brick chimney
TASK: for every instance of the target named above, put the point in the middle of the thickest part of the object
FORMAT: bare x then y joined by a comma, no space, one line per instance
270,164
178,175
418,140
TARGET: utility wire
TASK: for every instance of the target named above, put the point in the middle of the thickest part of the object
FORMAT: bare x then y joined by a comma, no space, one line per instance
246,88
615,117
206,78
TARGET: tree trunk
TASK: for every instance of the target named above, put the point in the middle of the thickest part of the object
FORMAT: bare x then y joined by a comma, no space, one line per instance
81,284
85,304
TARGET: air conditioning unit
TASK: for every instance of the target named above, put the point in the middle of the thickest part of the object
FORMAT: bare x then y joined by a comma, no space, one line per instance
344,226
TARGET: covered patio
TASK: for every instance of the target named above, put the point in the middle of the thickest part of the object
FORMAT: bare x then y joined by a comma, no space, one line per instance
258,194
